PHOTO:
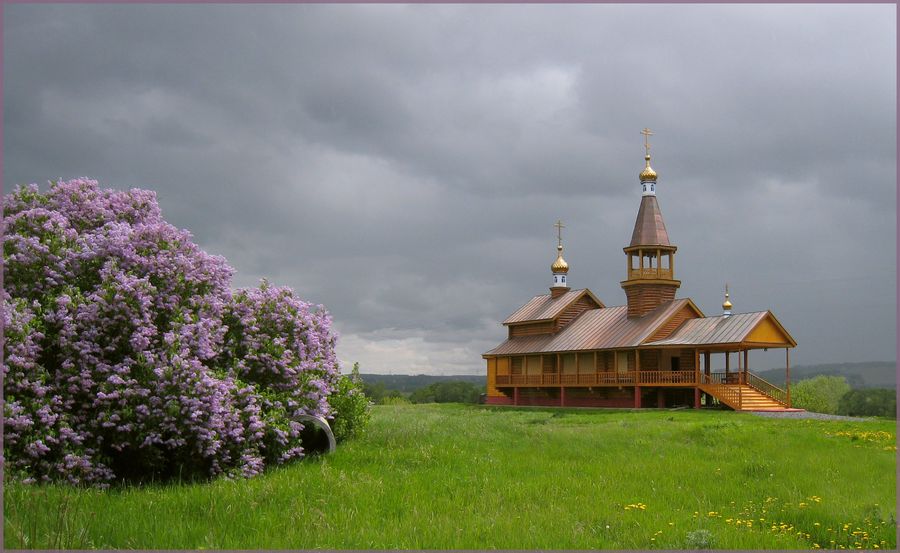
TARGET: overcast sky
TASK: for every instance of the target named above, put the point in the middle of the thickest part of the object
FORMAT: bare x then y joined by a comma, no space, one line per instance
404,165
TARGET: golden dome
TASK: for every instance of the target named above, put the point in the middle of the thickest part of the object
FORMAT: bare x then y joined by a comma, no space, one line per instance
648,174
726,305
560,265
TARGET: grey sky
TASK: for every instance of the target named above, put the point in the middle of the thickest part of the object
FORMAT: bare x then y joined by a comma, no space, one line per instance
403,165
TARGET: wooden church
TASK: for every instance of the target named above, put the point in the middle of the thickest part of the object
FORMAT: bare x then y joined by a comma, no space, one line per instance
567,348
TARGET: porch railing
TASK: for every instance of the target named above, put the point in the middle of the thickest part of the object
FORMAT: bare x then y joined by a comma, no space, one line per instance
667,377
609,378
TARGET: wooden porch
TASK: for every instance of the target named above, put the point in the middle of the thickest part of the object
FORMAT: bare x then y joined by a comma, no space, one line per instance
629,378
743,391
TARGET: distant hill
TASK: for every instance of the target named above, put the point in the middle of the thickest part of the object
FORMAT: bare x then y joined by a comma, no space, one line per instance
878,374
408,383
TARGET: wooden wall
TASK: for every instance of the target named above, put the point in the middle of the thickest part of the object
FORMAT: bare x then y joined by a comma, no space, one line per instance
650,360
531,329
643,298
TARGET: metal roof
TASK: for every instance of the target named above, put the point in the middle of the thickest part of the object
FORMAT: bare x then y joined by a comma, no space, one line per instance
649,228
605,328
544,307
733,329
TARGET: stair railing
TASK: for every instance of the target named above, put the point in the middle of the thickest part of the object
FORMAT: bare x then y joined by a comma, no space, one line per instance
767,388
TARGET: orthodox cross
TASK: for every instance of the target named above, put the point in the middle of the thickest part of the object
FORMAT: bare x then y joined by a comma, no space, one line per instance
559,226
647,134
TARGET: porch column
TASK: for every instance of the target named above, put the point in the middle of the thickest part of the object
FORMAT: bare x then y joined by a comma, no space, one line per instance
727,364
637,397
746,364
559,378
707,362
696,398
637,366
787,374
516,395
740,369
696,366
562,396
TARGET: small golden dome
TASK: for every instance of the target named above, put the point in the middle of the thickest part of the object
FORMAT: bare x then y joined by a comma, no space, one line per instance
560,265
648,174
726,305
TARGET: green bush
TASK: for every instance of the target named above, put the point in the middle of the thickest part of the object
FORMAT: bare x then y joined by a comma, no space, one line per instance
871,402
820,394
381,395
352,409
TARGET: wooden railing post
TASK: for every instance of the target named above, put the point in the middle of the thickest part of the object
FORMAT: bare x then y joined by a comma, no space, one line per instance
787,375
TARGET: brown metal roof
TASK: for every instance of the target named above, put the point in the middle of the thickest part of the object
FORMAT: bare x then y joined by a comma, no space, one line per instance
713,330
649,228
544,307
606,328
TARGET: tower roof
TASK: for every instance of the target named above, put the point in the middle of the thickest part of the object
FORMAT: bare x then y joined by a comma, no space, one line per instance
649,228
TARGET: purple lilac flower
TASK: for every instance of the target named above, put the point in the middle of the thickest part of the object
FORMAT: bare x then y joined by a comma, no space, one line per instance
127,355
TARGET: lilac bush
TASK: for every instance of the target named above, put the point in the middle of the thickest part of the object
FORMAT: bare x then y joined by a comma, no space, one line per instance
127,355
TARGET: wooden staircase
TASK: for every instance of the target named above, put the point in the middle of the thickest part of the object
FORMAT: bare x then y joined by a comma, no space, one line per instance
759,395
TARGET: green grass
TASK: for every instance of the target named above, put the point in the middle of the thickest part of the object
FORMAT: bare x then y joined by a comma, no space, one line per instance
453,476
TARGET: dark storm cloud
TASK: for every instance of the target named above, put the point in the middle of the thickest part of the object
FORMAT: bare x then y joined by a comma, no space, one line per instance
403,165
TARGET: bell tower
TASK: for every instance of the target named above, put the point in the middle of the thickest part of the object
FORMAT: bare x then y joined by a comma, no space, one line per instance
651,258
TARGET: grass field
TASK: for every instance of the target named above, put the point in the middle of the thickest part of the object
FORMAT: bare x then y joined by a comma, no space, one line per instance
453,476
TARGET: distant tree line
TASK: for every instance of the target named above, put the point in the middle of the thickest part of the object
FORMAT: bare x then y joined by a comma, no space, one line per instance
833,395
446,391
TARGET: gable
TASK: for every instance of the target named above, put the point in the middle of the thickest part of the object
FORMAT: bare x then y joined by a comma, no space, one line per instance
548,308
570,313
770,331
688,311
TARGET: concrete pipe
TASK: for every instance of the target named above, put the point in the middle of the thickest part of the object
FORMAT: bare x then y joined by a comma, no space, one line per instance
316,435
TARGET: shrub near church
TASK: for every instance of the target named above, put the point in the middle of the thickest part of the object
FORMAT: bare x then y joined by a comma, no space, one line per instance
127,355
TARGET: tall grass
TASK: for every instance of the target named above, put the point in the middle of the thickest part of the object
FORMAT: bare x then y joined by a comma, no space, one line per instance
452,476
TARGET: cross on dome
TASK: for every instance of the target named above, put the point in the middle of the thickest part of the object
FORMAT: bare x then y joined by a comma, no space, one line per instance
559,226
647,134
